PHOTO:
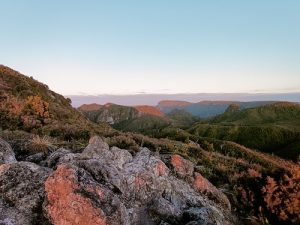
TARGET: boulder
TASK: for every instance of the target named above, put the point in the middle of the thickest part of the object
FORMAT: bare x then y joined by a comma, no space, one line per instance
54,158
96,148
202,185
22,193
185,170
71,202
7,155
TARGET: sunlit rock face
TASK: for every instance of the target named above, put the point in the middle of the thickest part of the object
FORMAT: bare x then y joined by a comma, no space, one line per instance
65,205
185,169
104,185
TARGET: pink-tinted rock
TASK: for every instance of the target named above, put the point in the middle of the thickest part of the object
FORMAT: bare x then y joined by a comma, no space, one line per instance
65,206
182,166
204,186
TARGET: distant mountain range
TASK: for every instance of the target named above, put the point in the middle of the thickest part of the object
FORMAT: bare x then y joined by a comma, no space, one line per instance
154,99
206,109
203,109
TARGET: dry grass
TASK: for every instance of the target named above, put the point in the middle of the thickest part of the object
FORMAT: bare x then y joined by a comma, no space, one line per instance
40,144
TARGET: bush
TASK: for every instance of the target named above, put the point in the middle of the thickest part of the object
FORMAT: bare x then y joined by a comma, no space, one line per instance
283,197
40,144
38,106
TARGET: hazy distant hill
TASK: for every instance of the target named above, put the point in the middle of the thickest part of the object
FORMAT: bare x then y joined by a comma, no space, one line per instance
150,110
205,109
273,128
90,107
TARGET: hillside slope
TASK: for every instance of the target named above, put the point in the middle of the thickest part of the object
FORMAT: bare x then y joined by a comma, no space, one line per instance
29,105
270,128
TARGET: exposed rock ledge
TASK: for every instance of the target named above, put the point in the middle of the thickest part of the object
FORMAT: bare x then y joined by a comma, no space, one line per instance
105,185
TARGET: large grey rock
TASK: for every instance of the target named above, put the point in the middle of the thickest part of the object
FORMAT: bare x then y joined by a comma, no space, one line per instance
54,157
7,155
36,158
22,193
97,148
184,169
141,188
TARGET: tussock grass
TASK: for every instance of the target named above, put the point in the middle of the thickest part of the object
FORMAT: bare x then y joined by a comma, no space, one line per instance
40,144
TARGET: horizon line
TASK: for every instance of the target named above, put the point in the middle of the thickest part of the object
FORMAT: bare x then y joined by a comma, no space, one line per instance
182,93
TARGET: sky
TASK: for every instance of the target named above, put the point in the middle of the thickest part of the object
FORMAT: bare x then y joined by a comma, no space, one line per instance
96,47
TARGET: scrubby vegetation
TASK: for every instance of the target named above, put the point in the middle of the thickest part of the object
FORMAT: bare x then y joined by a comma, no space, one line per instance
271,128
242,173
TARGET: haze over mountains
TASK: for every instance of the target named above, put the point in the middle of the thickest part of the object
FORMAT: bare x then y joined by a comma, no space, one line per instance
154,99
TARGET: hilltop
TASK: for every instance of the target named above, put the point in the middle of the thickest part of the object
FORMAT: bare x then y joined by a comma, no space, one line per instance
29,105
150,110
90,107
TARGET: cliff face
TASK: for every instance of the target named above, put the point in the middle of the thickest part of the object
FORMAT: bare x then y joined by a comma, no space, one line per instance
109,113
103,185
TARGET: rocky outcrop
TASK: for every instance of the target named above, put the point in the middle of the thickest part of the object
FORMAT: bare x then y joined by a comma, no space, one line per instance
105,185
185,169
66,206
182,167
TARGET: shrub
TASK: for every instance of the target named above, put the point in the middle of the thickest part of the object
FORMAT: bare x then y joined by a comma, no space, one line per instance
40,144
283,197
123,142
39,107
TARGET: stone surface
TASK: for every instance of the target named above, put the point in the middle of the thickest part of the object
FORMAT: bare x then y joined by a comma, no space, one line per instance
96,148
65,206
54,157
185,169
7,155
22,193
36,158
204,186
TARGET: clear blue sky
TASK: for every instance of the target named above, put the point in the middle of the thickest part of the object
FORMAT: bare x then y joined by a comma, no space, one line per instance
157,46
